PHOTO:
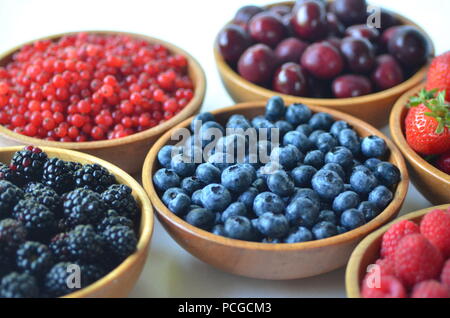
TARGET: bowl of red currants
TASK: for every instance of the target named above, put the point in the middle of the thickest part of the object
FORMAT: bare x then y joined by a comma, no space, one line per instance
110,94
341,54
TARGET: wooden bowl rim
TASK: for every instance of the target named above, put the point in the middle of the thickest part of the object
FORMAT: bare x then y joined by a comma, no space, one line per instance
387,214
228,72
146,225
352,281
395,126
197,100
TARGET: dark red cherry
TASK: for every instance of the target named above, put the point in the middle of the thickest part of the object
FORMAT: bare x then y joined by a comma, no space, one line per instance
245,13
386,36
350,85
387,72
257,64
233,41
335,27
319,88
387,20
267,28
409,46
350,11
290,50
309,20
358,53
291,79
334,41
322,60
280,10
363,31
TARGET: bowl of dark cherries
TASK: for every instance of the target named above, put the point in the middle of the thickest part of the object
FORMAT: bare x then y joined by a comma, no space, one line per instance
342,54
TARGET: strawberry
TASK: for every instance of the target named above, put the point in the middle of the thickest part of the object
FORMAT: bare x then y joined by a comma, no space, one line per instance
427,124
439,74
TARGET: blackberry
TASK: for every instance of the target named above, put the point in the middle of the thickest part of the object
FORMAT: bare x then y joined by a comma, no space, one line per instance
113,219
56,280
44,195
34,258
84,244
39,221
17,285
28,164
58,174
7,263
6,173
90,274
59,247
93,177
119,198
83,206
121,241
12,235
9,196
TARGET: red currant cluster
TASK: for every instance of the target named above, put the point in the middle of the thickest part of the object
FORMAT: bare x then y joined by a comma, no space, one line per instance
87,87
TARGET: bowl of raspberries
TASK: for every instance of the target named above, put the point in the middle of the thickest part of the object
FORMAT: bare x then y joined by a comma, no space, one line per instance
408,258
272,191
70,225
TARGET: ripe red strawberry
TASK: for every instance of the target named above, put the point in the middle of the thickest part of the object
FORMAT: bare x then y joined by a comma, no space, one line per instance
427,124
395,233
390,287
443,162
439,74
435,226
445,275
430,289
416,260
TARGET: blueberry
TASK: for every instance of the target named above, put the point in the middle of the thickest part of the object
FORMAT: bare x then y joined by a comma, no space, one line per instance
250,169
302,175
372,163
265,171
298,140
196,198
314,135
200,119
170,194
369,209
381,196
325,205
284,127
221,160
194,206
260,185
234,209
218,229
236,178
233,145
182,165
336,168
373,146
264,148
351,219
300,234
340,155
288,156
349,138
201,218
248,197
325,142
280,183
324,230
165,179
268,202
208,130
302,211
327,216
215,197
306,193
272,225
341,229
345,201
218,218
208,173
270,240
348,187
338,126
363,181
297,114
179,204
239,227
327,184
275,108
252,159
263,127
321,121
191,184
387,174
237,121
304,129
314,158
165,155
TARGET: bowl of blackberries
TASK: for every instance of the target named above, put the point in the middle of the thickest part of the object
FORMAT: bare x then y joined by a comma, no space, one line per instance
343,54
274,192
70,225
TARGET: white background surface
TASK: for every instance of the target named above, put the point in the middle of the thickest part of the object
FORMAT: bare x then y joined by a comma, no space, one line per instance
193,25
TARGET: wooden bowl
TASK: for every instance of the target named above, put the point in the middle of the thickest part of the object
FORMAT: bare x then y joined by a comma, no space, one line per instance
433,183
270,261
129,152
372,108
120,281
368,251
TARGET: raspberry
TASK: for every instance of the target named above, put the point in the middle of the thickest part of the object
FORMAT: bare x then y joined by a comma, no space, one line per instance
430,289
416,260
445,275
393,236
390,287
386,266
435,226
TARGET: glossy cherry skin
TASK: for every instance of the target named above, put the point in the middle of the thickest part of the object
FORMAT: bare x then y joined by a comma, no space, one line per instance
280,10
291,79
334,41
386,36
267,28
334,26
319,88
350,11
350,85
363,31
387,20
290,50
309,20
244,14
387,72
409,46
233,41
257,64
322,60
359,54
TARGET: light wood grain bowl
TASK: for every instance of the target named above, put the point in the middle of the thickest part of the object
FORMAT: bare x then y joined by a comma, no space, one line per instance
433,183
368,251
122,279
129,152
373,108
270,261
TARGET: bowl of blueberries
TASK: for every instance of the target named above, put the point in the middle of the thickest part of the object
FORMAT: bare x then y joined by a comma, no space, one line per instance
270,191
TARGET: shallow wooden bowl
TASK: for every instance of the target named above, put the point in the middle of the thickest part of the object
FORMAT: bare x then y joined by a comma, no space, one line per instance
373,108
433,183
129,152
368,251
270,261
122,279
